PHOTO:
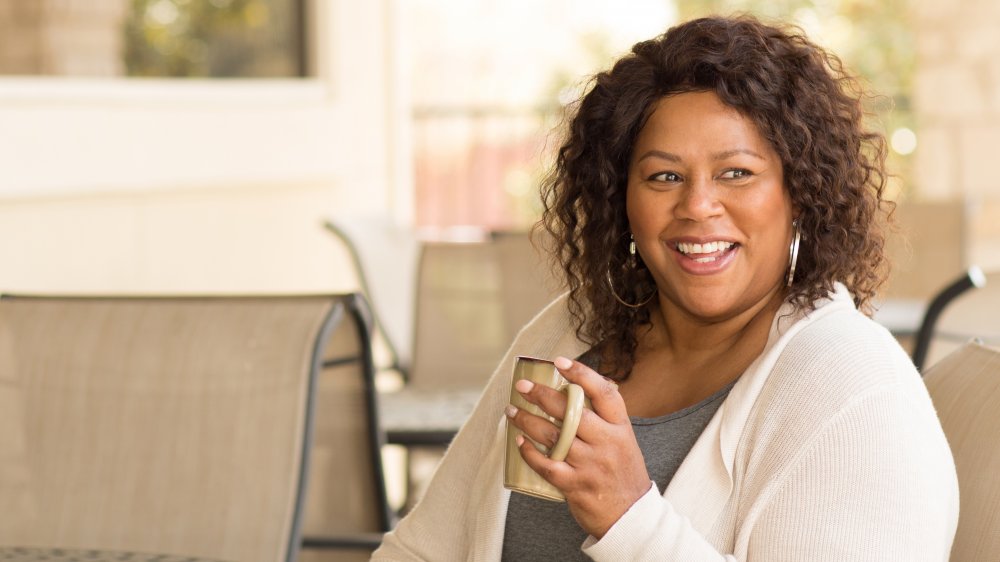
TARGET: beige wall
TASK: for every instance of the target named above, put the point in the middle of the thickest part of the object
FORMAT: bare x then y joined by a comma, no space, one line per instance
195,186
958,109
202,240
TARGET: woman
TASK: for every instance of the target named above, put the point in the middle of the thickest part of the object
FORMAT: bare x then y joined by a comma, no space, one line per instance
716,209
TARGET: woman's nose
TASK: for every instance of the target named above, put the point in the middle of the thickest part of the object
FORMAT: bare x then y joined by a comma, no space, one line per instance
699,201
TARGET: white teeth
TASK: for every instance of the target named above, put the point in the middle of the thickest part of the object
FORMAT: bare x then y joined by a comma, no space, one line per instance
706,248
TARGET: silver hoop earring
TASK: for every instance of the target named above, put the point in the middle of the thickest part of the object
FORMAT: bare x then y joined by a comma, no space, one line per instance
793,252
611,285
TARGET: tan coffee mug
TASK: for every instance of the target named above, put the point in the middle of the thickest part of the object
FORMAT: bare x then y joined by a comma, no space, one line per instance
517,475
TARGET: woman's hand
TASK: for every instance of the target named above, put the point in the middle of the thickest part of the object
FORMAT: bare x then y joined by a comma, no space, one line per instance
604,472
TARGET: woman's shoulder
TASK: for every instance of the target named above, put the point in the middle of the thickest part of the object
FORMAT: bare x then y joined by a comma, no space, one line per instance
833,369
554,316
837,344
836,360
832,356
850,347
551,331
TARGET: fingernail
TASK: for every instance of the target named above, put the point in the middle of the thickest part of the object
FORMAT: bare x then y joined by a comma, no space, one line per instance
519,440
510,410
524,385
563,363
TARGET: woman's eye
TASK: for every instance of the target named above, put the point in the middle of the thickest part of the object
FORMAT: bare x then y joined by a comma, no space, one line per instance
737,173
665,176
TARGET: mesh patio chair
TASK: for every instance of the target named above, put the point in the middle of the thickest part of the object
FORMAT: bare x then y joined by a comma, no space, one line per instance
458,339
527,279
926,253
929,250
459,334
176,425
346,508
966,309
385,258
965,388
973,278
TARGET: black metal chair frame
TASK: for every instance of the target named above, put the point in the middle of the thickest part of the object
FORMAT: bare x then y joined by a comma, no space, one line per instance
356,308
972,278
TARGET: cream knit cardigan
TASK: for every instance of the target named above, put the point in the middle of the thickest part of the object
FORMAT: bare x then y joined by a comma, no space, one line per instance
827,448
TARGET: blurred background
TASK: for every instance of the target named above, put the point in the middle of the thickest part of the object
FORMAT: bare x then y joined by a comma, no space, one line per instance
198,145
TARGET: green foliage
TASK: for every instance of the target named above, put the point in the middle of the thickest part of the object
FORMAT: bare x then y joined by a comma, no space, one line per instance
217,38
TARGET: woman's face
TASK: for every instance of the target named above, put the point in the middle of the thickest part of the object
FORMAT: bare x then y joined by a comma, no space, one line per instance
707,205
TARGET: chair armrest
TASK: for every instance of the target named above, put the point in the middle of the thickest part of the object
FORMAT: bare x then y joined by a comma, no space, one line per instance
356,541
972,278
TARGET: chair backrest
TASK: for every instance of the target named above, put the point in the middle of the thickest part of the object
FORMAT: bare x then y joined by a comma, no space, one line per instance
973,314
965,388
459,335
385,258
527,280
176,425
929,250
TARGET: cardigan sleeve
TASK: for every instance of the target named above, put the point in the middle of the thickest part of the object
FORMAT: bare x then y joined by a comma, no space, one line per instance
875,483
652,530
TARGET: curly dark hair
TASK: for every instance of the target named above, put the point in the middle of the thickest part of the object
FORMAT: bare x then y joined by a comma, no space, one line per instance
802,101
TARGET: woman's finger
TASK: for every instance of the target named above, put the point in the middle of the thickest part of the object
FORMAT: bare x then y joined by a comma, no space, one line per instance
603,392
551,401
557,473
538,429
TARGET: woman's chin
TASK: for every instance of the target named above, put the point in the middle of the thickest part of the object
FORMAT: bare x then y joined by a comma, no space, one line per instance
717,304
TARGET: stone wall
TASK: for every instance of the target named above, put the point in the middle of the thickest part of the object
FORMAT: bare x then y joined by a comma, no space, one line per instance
957,101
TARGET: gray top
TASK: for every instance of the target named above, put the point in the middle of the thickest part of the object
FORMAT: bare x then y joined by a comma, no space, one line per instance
537,529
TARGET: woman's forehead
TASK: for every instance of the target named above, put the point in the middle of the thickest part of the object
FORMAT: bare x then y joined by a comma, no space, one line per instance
698,118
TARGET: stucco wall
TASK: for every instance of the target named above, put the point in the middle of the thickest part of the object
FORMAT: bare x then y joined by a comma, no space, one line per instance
110,185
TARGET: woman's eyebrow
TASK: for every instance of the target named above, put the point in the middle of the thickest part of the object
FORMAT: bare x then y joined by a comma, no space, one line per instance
717,156
659,154
729,153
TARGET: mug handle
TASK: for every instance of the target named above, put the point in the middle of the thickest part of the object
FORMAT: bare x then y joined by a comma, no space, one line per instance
571,421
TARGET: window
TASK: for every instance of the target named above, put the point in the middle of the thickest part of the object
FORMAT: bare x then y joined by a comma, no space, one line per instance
215,38
154,38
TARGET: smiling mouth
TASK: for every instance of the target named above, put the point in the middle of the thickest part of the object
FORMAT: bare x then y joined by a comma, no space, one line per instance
705,253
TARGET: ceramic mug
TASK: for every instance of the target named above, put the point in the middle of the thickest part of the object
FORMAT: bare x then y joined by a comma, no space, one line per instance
517,475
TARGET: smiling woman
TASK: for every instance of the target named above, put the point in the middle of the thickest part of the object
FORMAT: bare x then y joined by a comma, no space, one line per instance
714,209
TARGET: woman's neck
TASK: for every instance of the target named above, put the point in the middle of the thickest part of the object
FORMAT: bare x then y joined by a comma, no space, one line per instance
681,360
685,335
